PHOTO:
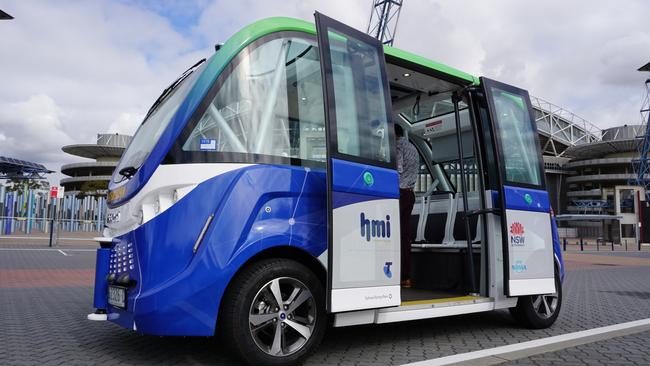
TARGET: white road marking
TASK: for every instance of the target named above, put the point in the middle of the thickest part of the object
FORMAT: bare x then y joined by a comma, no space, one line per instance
62,252
497,355
47,249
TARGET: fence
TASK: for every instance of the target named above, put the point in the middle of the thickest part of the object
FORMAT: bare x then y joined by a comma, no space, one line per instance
32,210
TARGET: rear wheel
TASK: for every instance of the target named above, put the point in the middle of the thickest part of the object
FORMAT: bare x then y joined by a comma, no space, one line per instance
274,313
539,311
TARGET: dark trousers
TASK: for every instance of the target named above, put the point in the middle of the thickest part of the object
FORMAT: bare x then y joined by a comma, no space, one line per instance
406,202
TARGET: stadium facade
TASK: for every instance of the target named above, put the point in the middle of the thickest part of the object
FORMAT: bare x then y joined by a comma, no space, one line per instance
589,175
91,177
598,187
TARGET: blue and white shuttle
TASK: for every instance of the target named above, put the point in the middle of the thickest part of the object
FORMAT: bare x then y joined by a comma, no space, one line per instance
259,198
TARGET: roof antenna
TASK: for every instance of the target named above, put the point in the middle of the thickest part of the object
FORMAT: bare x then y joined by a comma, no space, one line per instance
217,47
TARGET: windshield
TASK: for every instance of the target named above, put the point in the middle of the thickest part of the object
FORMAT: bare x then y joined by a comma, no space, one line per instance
153,126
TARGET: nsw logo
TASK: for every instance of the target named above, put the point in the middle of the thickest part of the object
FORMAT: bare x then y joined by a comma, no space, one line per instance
374,228
517,237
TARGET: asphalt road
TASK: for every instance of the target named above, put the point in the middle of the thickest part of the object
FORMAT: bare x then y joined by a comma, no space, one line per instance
46,294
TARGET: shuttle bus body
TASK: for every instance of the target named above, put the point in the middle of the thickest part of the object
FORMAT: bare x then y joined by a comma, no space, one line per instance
259,199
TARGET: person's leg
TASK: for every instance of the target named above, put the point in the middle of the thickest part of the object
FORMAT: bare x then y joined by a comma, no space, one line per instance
407,200
405,271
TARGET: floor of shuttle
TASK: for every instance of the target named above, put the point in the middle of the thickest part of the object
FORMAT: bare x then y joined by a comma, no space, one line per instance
416,294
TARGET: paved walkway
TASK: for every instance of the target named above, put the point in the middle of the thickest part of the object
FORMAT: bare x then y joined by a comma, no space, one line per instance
627,350
45,296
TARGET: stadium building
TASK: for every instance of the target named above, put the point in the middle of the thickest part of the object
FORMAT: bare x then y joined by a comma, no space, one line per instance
91,177
600,202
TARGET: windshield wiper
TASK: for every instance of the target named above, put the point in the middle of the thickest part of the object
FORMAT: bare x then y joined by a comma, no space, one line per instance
128,171
172,86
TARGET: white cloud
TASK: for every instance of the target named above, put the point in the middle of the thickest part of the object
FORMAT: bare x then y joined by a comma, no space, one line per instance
34,127
125,122
73,69
70,70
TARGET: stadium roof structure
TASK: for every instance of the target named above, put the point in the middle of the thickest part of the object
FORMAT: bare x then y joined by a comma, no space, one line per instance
93,151
11,168
612,140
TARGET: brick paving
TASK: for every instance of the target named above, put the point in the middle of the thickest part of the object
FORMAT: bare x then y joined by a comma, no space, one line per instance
627,350
46,324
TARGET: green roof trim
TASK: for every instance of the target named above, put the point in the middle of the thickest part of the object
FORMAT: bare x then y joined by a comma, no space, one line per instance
263,27
404,55
218,61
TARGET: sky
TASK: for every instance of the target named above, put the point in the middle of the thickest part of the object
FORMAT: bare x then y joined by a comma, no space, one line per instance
72,69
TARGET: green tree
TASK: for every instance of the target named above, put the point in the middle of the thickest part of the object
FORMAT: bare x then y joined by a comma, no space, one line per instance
24,185
93,188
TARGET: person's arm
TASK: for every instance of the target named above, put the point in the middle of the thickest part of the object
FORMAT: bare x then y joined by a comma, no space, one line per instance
400,158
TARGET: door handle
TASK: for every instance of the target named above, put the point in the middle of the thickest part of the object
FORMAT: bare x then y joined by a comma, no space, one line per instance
496,211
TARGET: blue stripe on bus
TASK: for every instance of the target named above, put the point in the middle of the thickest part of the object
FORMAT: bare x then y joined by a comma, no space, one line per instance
340,199
526,199
349,177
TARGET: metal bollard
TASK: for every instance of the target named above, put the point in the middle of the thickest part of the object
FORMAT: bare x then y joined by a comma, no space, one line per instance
565,244
51,231
612,245
639,242
598,245
581,245
626,245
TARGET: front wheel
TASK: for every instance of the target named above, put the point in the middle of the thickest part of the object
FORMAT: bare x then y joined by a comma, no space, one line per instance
539,311
274,313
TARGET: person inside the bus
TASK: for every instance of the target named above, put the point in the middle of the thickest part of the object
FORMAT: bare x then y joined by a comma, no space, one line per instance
407,167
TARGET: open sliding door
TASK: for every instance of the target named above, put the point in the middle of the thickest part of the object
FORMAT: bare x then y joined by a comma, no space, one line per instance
362,181
526,223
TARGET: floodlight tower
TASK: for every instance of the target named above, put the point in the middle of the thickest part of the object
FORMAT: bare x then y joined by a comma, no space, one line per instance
5,16
641,165
384,16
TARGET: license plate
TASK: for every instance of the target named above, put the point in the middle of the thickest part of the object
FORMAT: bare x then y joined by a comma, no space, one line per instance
117,296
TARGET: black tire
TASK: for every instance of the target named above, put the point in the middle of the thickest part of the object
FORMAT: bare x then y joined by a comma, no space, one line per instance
251,321
531,311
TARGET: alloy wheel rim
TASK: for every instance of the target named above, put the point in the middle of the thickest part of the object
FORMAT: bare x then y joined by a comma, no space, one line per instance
282,316
545,305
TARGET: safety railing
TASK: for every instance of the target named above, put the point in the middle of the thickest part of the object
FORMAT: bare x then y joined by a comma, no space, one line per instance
21,225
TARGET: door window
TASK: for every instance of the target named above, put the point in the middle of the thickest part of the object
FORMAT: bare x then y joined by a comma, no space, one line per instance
360,99
516,133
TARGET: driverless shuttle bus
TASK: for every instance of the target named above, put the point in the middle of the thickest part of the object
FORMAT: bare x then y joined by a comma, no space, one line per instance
259,199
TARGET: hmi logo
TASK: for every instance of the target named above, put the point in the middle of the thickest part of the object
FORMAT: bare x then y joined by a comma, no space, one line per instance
374,228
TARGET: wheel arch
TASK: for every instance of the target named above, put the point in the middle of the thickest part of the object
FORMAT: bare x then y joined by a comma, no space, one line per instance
289,252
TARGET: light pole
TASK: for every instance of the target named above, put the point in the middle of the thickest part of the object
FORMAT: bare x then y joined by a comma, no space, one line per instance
5,16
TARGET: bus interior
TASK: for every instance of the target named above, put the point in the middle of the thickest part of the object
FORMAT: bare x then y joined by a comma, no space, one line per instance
422,104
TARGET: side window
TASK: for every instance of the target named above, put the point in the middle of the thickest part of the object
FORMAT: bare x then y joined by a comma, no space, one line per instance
424,180
271,103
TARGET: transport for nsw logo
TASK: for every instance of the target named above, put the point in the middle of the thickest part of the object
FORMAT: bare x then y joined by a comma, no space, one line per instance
387,270
374,228
517,236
